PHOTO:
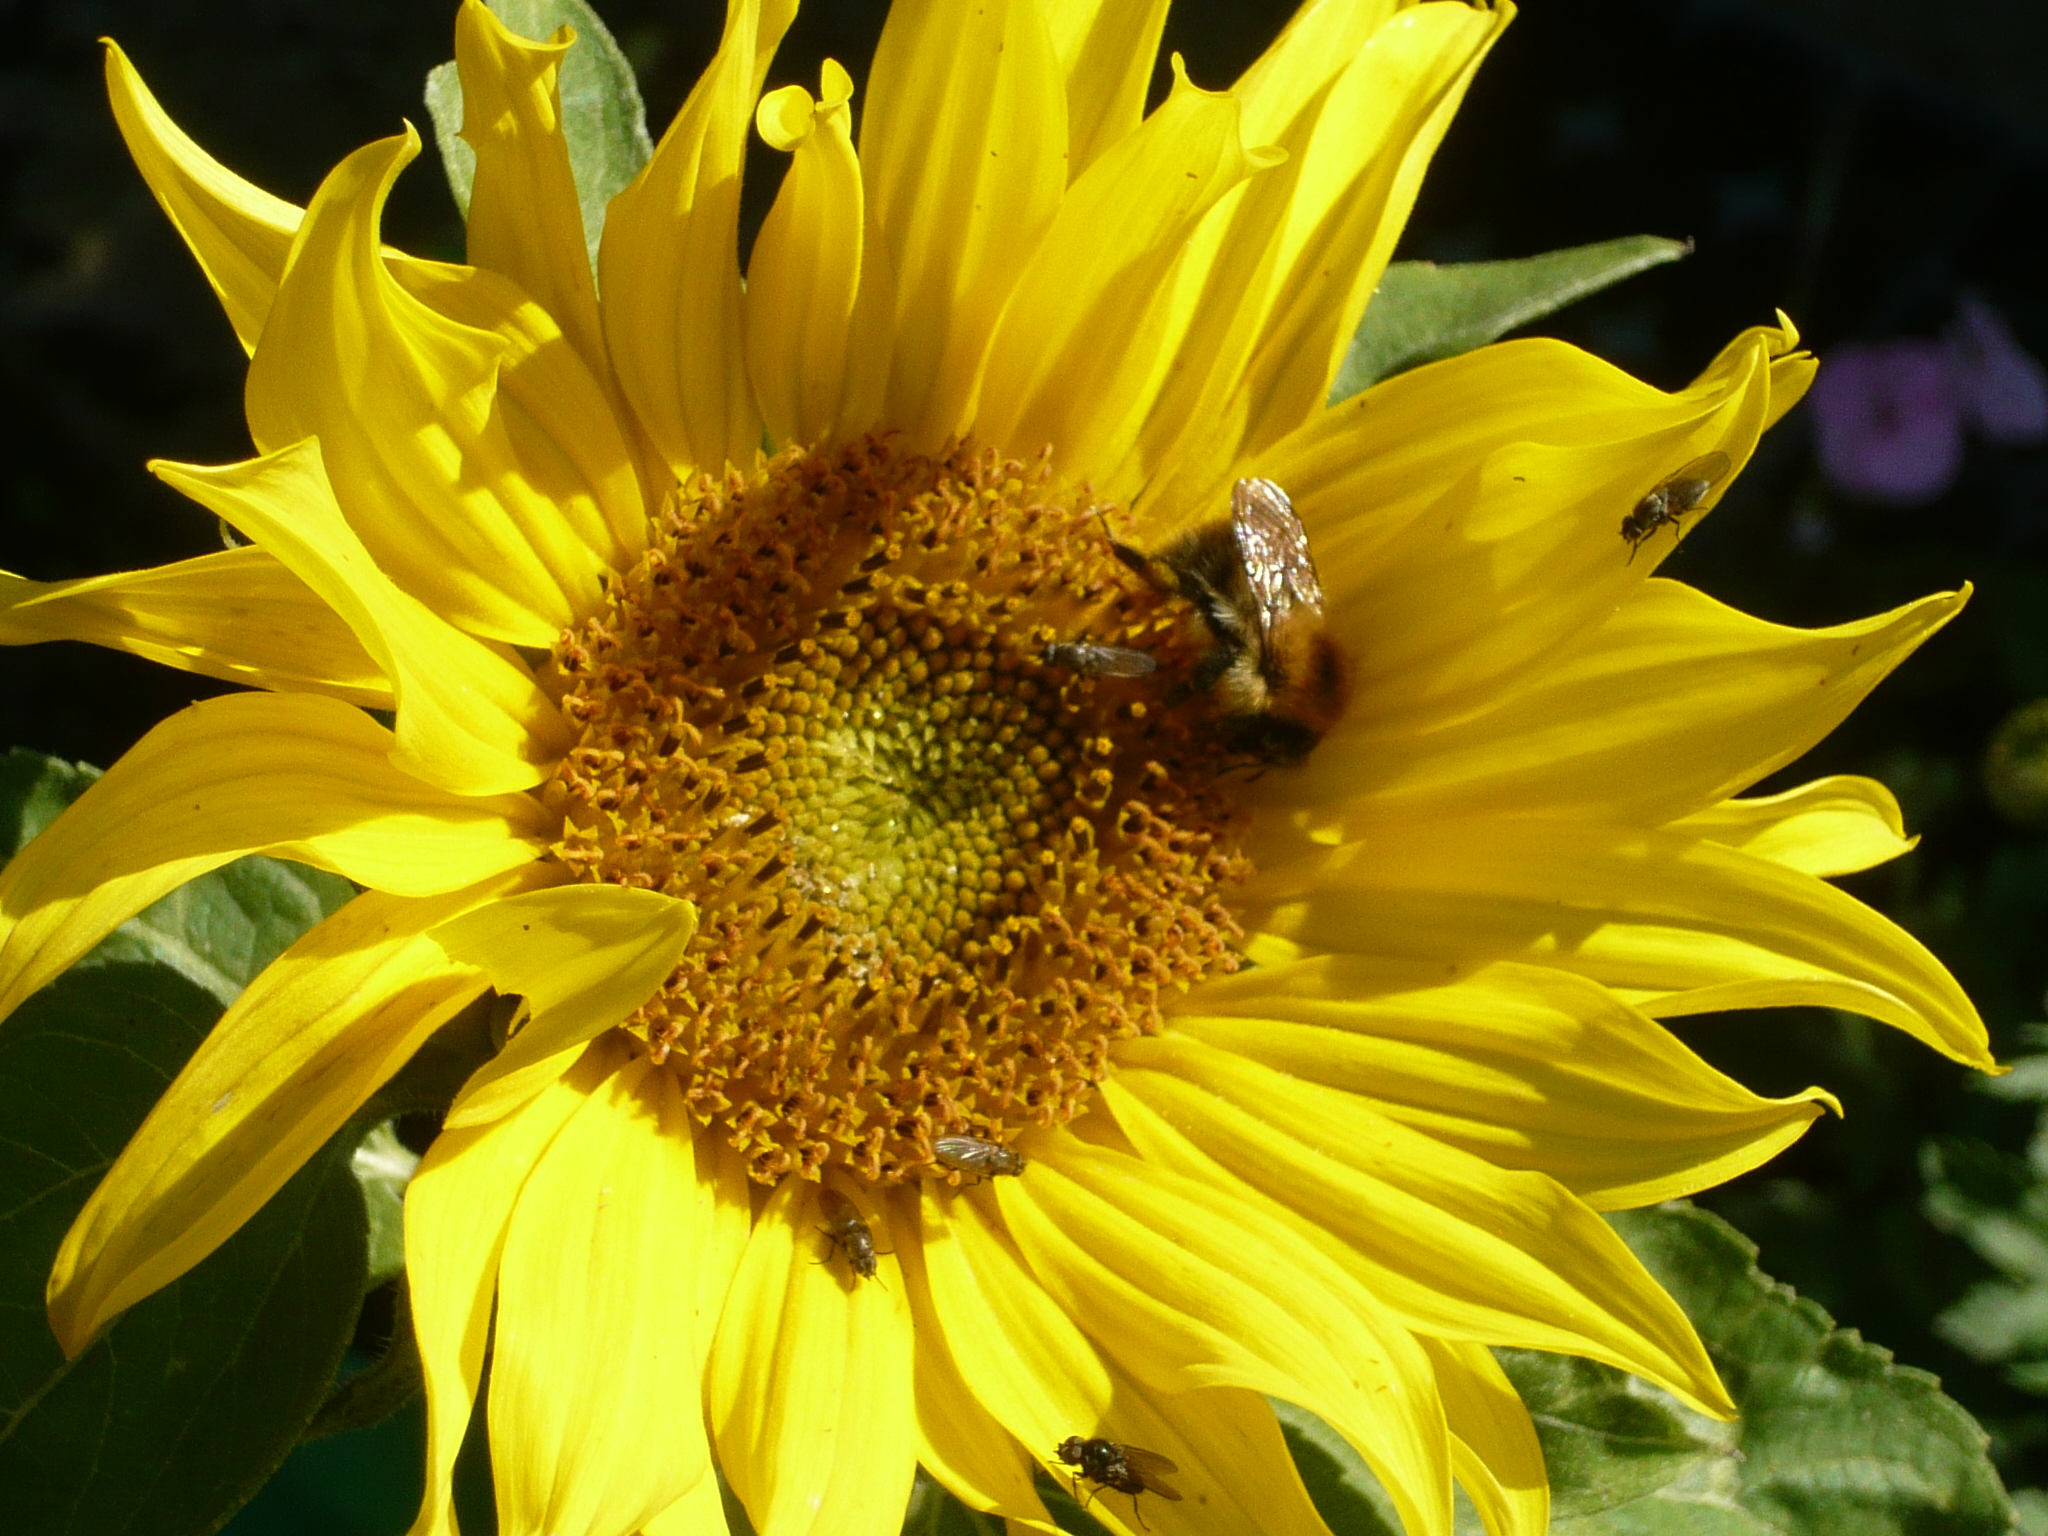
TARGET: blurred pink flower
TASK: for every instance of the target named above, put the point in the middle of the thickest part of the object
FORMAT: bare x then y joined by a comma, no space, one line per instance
1889,418
1890,415
2005,391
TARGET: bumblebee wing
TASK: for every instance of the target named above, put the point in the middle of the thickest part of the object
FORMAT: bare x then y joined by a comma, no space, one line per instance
1272,546
1114,660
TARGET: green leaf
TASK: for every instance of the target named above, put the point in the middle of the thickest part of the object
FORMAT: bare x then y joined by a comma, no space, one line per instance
1999,1206
1340,1485
34,789
935,1512
219,930
603,117
175,1416
383,1165
1422,312
178,1413
1834,1439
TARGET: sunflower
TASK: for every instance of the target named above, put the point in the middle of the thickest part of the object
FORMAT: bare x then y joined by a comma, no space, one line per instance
732,639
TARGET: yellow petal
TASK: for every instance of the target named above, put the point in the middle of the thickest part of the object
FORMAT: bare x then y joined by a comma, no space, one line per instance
959,1441
293,775
1074,359
1186,1286
583,957
595,1420
1442,1238
1494,1448
1833,826
1278,276
404,402
470,719
1675,703
1024,1355
1399,96
1039,1376
524,218
805,272
1525,1066
456,1210
964,147
809,1390
1677,924
239,233
314,1035
700,1512
238,615
670,261
562,421
1106,50
1524,530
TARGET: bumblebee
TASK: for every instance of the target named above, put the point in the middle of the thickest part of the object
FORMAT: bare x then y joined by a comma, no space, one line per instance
1277,674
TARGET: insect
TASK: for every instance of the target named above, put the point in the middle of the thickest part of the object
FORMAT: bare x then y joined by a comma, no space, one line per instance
849,1231
1671,500
1098,660
1126,1468
1277,673
971,1154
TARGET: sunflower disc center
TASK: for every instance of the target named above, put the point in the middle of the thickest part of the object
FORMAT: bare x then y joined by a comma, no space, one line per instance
935,875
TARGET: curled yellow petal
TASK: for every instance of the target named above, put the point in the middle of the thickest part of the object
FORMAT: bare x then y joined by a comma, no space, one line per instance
670,261
1074,360
1440,1237
1678,924
809,1389
524,219
964,147
1187,1287
1106,50
595,1419
471,719
293,775
456,1210
582,956
239,615
806,269
240,234
1525,1066
1494,1449
1673,704
404,402
1833,826
318,1030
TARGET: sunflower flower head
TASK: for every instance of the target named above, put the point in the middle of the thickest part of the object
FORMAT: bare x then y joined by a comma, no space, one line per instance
936,876
1060,886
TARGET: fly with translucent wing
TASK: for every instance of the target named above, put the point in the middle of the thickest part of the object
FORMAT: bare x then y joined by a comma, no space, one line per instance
1672,499
1278,676
1111,1464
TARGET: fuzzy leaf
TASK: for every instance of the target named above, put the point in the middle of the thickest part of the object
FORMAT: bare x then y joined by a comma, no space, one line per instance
1834,1439
1422,312
177,1414
603,117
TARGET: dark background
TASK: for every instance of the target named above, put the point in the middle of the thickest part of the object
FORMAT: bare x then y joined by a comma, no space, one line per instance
1860,165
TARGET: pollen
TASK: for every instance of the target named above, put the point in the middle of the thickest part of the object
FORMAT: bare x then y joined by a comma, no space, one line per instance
936,875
